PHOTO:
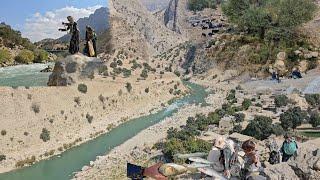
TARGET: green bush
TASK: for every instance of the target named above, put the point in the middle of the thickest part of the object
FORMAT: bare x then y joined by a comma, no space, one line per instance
2,157
3,132
45,135
239,117
260,128
126,72
275,19
281,100
40,56
25,56
246,104
277,129
82,88
113,64
89,118
177,73
313,99
236,129
146,90
144,73
129,87
232,96
292,118
315,119
5,56
199,5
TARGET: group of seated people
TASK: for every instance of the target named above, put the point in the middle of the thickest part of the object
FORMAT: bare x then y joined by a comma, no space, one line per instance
224,154
229,161
295,74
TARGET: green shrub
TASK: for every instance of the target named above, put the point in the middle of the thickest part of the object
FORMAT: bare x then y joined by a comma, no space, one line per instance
239,117
292,118
199,5
129,87
277,129
126,72
35,107
3,132
260,128
89,118
2,157
119,63
146,90
315,119
144,74
113,64
313,99
232,96
25,56
5,56
28,161
82,88
177,73
281,100
45,135
236,129
246,104
40,56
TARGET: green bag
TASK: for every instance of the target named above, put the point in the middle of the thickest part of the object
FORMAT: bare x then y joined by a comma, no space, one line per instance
290,148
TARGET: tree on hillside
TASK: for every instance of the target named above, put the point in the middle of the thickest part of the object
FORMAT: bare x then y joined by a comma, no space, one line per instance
259,17
199,5
315,119
292,118
260,128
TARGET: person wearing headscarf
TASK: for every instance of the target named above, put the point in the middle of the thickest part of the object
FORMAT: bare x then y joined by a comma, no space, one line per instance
72,27
91,45
227,152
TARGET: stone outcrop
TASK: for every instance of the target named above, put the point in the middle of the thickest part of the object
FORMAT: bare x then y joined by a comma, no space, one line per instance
73,68
280,171
280,65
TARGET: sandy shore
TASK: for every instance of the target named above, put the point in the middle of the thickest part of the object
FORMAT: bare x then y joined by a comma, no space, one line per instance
66,113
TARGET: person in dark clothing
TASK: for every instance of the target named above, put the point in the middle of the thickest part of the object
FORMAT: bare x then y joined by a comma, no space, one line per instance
296,74
289,148
91,42
75,35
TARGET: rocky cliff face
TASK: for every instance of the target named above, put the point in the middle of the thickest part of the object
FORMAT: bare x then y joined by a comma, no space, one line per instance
155,5
134,26
175,16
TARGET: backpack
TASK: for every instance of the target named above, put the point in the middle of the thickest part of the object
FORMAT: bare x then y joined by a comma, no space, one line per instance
290,148
274,157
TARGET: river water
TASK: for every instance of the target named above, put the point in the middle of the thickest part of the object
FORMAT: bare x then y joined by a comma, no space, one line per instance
24,75
62,167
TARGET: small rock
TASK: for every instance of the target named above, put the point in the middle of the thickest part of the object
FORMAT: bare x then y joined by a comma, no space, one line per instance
316,165
91,163
85,168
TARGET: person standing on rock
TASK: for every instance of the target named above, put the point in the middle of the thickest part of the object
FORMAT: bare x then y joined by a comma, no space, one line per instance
75,35
90,46
289,147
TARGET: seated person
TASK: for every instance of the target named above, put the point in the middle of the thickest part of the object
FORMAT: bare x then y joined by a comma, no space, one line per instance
252,165
296,74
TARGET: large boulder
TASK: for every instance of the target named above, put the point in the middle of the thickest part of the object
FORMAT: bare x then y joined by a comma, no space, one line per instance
67,71
280,171
303,66
280,64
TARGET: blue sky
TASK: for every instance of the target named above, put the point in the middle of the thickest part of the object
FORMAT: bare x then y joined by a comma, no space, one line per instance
24,14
